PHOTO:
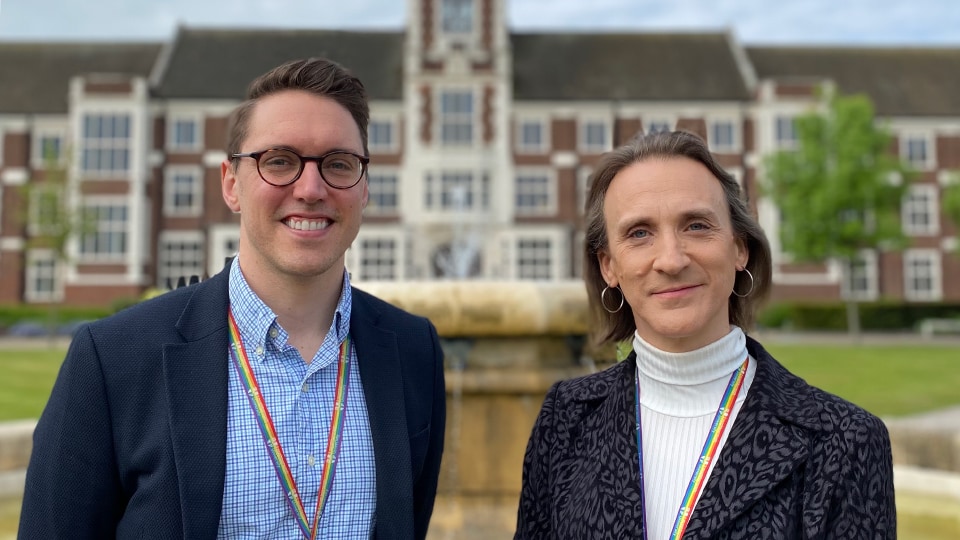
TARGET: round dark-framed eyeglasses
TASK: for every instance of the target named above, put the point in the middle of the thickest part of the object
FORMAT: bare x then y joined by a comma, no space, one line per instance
282,167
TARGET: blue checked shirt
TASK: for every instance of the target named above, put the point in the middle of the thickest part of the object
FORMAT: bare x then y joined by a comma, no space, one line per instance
300,398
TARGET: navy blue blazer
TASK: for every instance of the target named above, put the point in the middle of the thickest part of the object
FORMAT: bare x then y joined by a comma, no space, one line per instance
799,463
132,443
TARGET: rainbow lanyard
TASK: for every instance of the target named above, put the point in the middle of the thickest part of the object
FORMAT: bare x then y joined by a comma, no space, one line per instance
709,452
242,364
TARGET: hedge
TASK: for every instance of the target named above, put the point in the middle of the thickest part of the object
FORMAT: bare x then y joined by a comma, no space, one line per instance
833,315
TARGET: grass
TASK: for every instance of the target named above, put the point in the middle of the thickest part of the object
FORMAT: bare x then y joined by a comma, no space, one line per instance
885,380
28,377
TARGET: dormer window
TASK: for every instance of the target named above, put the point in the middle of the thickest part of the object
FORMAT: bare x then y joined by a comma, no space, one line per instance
457,16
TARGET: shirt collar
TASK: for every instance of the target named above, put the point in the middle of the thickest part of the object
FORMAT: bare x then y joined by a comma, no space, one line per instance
255,319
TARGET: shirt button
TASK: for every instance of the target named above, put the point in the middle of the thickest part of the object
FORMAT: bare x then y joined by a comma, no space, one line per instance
259,350
305,388
311,461
274,333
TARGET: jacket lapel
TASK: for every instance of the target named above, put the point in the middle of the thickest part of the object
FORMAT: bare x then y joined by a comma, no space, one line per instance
768,442
195,375
382,379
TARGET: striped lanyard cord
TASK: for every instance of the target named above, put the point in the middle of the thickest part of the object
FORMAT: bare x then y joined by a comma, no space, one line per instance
258,405
707,454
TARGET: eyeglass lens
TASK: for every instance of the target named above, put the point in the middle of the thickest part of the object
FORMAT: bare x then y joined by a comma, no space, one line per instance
283,167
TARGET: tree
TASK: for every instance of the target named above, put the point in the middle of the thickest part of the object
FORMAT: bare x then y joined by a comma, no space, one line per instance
951,203
840,190
51,216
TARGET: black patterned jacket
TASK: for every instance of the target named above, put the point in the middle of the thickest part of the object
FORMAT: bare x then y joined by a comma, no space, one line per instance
798,463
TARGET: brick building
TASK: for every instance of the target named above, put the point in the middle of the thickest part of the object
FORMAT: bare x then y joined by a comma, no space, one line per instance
482,142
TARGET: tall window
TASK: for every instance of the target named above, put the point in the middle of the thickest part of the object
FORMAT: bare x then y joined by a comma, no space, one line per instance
378,259
105,146
921,274
183,192
534,258
48,148
659,126
44,211
723,136
107,238
785,132
533,193
456,117
860,277
920,211
181,255
531,136
915,149
593,136
457,16
457,191
42,283
184,134
381,136
384,193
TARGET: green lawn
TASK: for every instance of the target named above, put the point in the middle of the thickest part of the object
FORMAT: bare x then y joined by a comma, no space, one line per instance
28,376
885,380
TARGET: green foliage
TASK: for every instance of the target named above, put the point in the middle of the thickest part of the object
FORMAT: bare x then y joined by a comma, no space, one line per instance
951,202
47,314
834,190
877,316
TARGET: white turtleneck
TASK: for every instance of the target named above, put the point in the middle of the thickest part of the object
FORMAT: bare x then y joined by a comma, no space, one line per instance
679,397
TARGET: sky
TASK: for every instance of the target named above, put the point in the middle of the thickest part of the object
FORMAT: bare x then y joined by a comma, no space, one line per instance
826,22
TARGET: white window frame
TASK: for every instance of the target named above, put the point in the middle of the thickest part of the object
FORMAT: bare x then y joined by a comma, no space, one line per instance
175,145
933,258
929,144
584,172
785,144
869,259
100,144
354,257
124,229
522,147
584,126
224,243
33,274
374,209
438,189
457,119
163,257
393,144
549,194
170,190
929,206
442,18
558,238
735,143
37,159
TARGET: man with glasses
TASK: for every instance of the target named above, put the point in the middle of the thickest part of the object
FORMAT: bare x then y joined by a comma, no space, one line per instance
272,400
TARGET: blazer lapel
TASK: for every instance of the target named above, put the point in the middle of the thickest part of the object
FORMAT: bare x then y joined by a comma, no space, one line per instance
768,442
382,379
195,375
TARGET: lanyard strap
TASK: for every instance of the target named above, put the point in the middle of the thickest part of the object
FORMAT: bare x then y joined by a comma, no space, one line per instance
269,432
710,447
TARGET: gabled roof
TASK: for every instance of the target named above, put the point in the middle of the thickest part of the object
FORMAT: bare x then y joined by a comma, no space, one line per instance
36,76
900,81
220,64
634,66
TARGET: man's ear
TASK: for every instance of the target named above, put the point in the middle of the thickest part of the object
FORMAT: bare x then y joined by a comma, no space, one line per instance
230,186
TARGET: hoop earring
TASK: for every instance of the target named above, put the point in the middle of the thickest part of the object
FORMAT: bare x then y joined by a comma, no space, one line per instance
746,294
603,299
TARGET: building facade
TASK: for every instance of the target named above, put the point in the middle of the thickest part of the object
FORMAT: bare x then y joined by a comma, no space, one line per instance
482,143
